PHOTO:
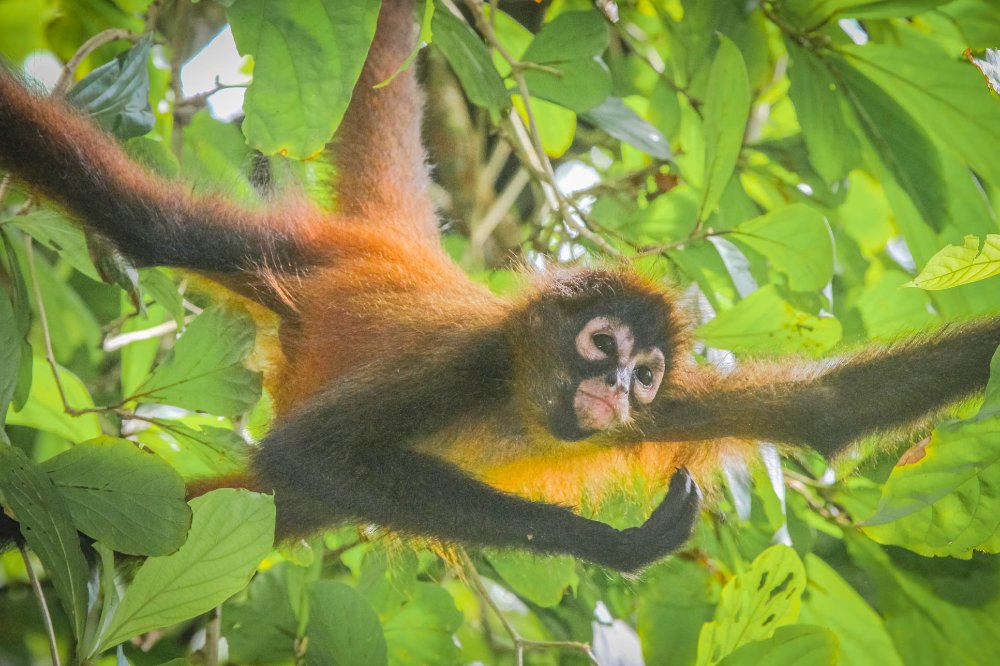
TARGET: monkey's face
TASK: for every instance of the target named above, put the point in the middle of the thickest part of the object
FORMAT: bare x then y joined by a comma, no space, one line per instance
612,371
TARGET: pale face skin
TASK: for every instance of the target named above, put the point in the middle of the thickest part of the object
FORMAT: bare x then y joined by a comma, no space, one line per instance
604,400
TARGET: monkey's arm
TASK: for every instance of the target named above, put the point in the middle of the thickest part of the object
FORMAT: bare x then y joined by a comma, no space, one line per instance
348,457
61,154
878,390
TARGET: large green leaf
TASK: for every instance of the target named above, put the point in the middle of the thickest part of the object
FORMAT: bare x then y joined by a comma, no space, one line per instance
946,95
420,631
957,265
468,58
831,602
900,143
131,501
343,628
310,51
764,322
678,597
56,232
203,370
753,604
726,111
48,529
231,532
540,580
795,241
262,629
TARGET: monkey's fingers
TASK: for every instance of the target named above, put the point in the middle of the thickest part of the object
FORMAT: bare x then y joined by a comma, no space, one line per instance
667,529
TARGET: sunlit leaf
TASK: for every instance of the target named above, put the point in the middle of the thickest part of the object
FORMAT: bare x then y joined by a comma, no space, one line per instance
420,632
754,604
829,601
957,265
796,645
795,241
570,45
727,108
766,323
44,408
540,580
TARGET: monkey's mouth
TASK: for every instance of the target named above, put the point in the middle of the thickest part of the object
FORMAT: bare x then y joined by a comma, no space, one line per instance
598,410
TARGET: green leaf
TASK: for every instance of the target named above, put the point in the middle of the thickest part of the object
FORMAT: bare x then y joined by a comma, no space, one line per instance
10,354
116,94
795,241
624,124
766,323
469,60
754,604
726,111
215,159
163,290
888,310
48,529
678,598
900,143
131,501
343,627
819,107
44,408
797,645
570,36
420,632
263,628
310,51
571,45
957,265
231,532
203,371
831,602
540,580
948,502
945,94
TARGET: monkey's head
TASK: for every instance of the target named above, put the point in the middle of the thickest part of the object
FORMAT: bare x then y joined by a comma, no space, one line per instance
593,349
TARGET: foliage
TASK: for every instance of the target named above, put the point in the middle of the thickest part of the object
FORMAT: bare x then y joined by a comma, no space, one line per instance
793,165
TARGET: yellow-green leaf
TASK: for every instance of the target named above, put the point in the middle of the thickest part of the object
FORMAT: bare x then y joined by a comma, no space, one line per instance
961,264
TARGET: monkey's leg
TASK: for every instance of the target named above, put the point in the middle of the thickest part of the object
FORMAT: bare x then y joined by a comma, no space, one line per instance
876,390
61,154
419,494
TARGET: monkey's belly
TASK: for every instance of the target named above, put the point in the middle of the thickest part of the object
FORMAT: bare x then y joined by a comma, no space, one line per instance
593,472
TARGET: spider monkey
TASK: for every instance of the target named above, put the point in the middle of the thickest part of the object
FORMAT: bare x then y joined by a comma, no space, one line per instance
413,398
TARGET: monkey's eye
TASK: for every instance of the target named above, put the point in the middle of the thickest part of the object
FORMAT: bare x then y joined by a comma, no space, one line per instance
644,375
604,342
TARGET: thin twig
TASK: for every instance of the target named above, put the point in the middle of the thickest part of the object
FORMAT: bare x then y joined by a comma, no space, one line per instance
521,645
89,46
212,634
42,605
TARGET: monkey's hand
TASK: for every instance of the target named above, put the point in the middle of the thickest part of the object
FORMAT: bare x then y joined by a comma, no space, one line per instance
666,530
